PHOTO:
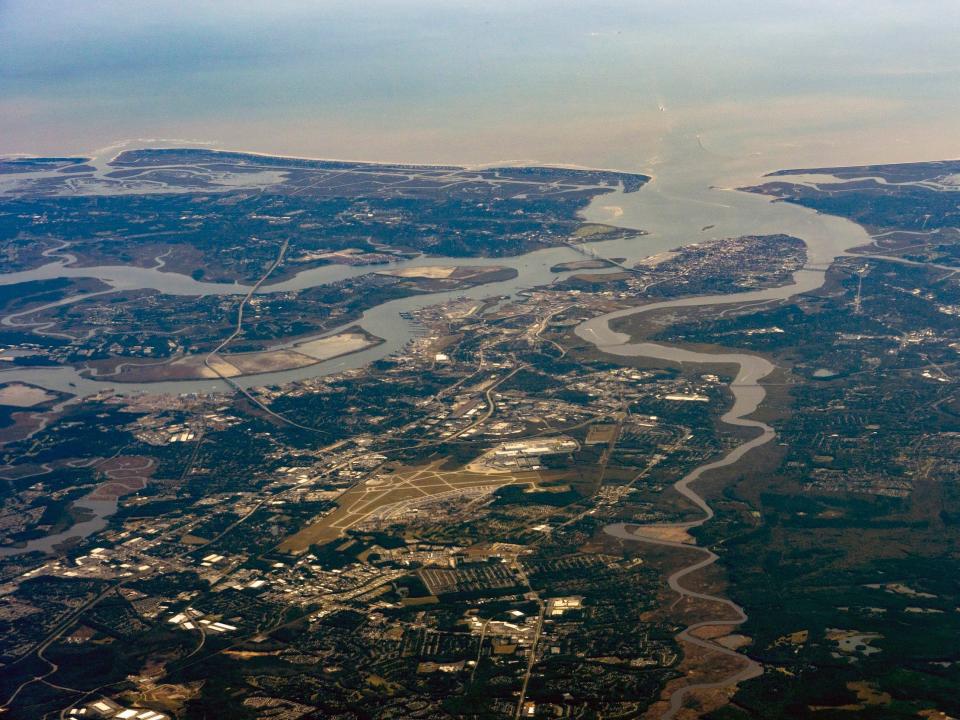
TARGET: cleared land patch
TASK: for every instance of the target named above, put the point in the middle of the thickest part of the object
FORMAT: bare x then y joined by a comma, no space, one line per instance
193,367
329,347
20,395
433,272
403,489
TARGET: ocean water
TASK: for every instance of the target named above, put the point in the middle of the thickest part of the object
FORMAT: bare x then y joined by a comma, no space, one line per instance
602,83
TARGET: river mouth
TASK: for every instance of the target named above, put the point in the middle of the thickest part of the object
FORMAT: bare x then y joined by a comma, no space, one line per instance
682,204
679,206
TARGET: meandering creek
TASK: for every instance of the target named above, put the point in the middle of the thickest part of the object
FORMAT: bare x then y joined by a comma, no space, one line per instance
826,238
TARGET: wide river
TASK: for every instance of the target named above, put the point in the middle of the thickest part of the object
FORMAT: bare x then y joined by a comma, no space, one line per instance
691,198
690,192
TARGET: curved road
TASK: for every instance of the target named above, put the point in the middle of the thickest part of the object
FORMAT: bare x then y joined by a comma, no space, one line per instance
748,394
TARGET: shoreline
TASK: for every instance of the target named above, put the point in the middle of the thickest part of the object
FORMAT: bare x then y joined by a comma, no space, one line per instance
213,146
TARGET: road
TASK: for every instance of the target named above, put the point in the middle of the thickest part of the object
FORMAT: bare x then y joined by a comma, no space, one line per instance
238,328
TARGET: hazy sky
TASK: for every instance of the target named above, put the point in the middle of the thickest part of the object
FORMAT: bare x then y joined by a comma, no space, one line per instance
451,81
